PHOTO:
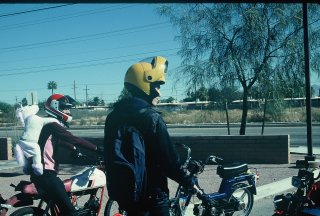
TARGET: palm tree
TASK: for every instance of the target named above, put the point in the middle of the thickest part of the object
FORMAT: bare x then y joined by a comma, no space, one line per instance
52,85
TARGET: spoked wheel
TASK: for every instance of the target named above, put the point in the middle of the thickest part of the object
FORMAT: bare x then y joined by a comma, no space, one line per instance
241,201
112,208
174,208
28,211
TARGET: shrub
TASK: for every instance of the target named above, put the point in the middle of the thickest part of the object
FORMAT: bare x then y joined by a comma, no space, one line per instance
316,114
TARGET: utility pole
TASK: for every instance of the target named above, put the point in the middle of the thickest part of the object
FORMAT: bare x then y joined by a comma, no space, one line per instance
74,90
86,89
32,98
310,156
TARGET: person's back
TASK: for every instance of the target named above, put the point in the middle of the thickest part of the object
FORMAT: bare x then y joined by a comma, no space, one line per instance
161,158
54,136
27,147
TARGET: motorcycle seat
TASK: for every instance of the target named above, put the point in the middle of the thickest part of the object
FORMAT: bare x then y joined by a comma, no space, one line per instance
231,170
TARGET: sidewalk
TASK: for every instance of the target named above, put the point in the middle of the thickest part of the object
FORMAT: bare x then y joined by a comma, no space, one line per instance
8,164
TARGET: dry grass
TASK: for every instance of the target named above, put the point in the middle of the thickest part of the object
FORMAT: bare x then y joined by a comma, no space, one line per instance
215,116
85,117
206,116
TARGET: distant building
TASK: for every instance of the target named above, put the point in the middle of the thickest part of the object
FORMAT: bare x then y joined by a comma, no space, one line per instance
196,105
290,102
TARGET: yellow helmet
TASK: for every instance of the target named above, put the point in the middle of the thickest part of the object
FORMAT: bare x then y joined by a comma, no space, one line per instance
147,71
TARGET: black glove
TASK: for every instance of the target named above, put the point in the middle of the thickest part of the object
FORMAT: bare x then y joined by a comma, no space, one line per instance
192,189
195,167
77,154
100,151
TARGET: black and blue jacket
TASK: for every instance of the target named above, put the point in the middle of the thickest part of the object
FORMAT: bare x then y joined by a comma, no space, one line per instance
162,159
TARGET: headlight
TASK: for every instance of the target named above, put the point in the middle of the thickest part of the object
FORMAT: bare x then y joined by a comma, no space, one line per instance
296,182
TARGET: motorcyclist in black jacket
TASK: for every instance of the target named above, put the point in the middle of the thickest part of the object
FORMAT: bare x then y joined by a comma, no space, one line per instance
143,81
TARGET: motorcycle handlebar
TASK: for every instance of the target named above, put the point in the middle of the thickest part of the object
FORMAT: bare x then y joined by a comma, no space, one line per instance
211,159
78,155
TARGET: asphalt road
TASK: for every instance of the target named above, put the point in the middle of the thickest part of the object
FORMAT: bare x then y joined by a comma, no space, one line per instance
298,134
265,207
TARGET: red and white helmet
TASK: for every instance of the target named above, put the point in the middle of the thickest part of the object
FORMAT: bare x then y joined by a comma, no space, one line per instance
58,102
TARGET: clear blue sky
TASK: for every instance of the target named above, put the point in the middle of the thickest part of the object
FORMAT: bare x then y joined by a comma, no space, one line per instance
89,44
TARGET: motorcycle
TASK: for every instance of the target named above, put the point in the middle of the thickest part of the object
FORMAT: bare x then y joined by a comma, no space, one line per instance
85,187
305,201
235,195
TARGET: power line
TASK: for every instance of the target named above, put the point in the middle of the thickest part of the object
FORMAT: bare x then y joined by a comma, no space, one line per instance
35,10
91,51
74,67
63,17
88,61
85,37
60,86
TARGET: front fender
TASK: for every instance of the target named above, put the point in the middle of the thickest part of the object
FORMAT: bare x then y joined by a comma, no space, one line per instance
253,189
3,210
19,200
252,182
15,201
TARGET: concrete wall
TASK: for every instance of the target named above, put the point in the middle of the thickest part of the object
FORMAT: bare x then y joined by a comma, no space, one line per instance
266,149
5,148
269,149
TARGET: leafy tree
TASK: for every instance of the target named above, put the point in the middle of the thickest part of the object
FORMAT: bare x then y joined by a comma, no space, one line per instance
52,85
227,93
24,102
168,100
201,94
96,101
5,107
243,44
41,104
124,93
6,112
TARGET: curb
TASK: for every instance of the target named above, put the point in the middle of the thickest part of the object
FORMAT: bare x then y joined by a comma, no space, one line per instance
8,164
273,188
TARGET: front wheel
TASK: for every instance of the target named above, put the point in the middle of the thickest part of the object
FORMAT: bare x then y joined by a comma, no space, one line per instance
241,200
28,211
111,208
174,208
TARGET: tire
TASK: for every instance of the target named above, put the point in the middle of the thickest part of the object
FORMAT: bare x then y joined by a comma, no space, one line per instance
241,193
111,208
28,211
174,208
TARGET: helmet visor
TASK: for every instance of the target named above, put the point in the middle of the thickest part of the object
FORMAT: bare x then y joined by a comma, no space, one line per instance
67,103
